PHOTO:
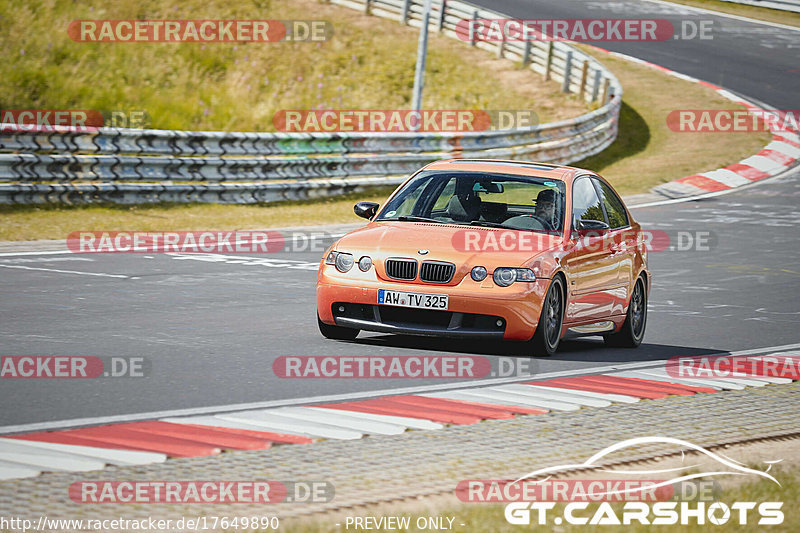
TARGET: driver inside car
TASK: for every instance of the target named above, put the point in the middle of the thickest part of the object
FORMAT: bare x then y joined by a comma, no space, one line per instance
545,205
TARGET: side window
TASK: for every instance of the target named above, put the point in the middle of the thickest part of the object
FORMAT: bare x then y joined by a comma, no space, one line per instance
617,217
585,202
444,197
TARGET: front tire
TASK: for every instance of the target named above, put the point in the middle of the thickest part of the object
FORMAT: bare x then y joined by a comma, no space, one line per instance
336,332
632,332
548,331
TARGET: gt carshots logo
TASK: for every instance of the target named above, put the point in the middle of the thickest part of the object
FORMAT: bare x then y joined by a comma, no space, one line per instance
233,242
72,367
401,367
644,501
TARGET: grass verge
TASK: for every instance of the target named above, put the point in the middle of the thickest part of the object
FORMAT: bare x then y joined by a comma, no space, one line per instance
645,154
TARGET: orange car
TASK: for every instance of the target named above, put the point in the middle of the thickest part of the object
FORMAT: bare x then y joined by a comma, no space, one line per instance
491,249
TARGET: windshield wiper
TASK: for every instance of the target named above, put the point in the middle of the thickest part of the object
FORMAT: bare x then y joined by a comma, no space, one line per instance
405,218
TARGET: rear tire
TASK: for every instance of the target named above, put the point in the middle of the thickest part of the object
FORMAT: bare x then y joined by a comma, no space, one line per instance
336,332
632,332
548,331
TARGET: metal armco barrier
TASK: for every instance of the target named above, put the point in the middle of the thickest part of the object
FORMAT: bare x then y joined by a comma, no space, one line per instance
144,166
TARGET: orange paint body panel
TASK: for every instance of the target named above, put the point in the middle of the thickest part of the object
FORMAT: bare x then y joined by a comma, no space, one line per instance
598,271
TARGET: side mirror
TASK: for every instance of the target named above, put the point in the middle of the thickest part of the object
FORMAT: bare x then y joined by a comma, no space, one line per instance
366,209
591,227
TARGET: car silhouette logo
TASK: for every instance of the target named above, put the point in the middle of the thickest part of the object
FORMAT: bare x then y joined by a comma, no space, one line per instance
423,252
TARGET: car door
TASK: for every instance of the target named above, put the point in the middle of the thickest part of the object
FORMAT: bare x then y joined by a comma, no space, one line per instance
591,263
622,241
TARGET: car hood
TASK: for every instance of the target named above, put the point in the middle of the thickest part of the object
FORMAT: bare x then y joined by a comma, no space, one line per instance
462,245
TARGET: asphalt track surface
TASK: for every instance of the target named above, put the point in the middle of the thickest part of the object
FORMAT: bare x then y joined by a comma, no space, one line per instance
210,327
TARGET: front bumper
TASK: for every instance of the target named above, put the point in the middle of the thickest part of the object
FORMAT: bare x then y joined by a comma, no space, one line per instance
473,309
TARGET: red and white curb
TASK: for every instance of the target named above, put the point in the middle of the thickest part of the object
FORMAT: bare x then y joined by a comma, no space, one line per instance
782,153
154,441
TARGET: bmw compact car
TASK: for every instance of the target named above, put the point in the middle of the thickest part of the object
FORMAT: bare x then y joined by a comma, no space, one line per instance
491,249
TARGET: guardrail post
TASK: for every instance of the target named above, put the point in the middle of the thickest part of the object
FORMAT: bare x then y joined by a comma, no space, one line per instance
404,16
567,72
606,92
472,37
549,63
500,44
584,75
526,54
367,5
441,15
596,85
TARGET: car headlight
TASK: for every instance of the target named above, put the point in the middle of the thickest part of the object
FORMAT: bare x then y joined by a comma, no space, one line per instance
478,273
505,276
365,263
344,262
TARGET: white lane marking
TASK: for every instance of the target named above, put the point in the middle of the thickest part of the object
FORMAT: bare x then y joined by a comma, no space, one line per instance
726,177
413,423
784,148
215,421
110,456
465,385
477,395
51,462
774,174
726,15
611,397
764,164
498,399
279,423
16,471
341,419
551,392
293,264
53,252
99,274
714,384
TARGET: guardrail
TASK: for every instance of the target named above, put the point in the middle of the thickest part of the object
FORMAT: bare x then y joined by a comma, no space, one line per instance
783,5
142,166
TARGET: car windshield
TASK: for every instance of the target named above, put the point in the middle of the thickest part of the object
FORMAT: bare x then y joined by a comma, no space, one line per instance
482,199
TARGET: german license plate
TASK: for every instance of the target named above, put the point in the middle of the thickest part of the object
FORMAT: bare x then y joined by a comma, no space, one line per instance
413,299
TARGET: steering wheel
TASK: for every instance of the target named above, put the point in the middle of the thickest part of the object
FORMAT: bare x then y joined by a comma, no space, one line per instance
529,222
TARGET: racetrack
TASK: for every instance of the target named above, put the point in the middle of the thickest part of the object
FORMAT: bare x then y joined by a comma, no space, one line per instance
212,326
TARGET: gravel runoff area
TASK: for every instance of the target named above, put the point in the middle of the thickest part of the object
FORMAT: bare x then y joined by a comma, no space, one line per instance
423,463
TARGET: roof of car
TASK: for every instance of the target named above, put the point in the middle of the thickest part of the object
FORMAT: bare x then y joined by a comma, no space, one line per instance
522,168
